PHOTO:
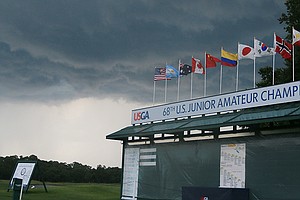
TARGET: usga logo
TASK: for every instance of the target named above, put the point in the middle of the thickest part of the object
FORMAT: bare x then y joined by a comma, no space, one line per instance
140,116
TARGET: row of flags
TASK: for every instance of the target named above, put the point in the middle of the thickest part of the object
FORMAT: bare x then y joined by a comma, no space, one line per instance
259,49
168,72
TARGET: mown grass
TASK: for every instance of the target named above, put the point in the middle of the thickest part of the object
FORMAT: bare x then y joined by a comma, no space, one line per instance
65,191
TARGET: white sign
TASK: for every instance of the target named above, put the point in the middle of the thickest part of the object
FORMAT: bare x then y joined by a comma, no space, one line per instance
276,94
23,171
130,173
232,165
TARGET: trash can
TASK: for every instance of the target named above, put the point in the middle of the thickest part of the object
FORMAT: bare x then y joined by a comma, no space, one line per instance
17,188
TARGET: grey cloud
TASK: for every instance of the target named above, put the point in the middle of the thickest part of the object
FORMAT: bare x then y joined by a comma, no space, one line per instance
108,30
27,78
70,49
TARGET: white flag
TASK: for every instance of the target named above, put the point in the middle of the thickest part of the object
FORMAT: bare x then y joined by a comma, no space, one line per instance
296,37
261,49
245,52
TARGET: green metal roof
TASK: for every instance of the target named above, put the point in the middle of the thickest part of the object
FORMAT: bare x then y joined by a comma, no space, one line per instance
280,112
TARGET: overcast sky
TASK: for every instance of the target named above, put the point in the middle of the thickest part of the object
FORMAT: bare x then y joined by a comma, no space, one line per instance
71,71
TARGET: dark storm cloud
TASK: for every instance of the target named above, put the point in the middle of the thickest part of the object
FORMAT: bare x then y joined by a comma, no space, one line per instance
70,49
109,30
23,77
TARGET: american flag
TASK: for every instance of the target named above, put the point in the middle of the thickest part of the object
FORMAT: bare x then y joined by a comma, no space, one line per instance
160,73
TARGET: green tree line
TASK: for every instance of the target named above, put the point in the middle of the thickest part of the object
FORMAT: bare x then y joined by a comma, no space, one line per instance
284,74
54,171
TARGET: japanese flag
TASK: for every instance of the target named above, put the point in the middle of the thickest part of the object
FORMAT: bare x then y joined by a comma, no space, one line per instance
245,52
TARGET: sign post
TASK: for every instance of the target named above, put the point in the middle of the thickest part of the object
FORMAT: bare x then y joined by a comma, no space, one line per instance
17,188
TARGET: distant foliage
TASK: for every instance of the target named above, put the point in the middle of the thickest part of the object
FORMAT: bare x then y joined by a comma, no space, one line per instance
53,171
283,75
266,74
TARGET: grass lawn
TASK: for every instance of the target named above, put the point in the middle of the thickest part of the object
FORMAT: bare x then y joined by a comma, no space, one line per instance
65,191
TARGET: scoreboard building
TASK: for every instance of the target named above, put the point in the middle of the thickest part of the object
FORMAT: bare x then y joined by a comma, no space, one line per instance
234,146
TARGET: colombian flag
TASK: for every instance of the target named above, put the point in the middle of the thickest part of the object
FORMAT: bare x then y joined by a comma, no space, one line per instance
228,59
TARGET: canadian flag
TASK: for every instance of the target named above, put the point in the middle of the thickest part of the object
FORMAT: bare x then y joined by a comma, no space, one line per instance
197,67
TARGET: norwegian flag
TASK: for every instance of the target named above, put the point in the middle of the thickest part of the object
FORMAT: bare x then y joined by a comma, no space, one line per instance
282,47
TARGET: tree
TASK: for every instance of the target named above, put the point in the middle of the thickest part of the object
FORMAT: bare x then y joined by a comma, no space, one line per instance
266,74
291,19
283,75
55,171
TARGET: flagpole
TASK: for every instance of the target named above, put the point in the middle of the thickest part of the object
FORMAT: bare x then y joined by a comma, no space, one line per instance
273,75
254,73
204,89
293,54
254,65
166,82
273,64
178,87
293,63
221,73
154,92
237,76
166,85
191,85
192,81
237,72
